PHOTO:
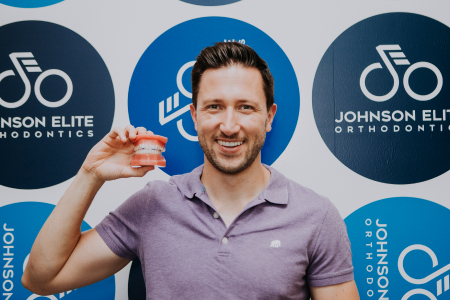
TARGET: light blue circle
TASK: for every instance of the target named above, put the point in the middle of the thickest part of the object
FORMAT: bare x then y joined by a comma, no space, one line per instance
154,81
29,3
409,222
20,224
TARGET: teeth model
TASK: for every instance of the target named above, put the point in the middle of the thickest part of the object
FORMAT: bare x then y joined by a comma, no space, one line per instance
147,150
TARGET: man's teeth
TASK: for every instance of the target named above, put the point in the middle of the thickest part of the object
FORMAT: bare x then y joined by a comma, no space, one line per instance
149,149
229,144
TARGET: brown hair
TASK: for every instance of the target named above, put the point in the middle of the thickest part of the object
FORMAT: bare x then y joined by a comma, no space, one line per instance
224,54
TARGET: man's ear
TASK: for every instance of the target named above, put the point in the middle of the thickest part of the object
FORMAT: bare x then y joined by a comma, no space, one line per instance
270,116
193,114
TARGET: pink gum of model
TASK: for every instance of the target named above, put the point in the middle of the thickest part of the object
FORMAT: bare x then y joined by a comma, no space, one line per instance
147,150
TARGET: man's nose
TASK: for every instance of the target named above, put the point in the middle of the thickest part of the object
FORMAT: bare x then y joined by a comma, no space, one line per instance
230,124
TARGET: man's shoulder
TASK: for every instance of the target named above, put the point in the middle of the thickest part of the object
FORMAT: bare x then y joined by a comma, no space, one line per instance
301,194
297,194
177,186
155,190
308,203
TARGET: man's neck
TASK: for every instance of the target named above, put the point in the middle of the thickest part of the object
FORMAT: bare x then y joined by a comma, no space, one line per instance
231,193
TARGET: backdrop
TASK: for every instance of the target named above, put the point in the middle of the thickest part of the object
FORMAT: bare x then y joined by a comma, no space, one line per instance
363,118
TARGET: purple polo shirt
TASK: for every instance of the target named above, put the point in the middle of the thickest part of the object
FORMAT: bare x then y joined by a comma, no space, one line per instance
286,239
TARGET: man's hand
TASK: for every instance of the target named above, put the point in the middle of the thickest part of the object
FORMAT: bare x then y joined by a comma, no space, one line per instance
110,158
343,291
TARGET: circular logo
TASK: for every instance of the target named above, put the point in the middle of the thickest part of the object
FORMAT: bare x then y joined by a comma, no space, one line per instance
29,3
56,103
380,98
20,225
401,257
210,2
160,89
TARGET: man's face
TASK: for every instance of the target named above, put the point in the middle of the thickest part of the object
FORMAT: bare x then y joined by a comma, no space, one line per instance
231,118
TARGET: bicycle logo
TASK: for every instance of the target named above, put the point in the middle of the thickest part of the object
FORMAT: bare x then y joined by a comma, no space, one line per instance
425,279
399,59
176,102
32,66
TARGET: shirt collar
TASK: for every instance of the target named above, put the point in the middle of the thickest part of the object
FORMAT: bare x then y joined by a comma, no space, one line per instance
275,192
277,189
189,184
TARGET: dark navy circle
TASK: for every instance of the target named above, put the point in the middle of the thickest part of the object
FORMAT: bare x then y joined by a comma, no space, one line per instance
136,283
381,231
41,145
20,225
210,2
406,150
154,84
29,3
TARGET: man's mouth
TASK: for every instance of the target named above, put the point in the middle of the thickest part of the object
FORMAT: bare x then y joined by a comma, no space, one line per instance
230,144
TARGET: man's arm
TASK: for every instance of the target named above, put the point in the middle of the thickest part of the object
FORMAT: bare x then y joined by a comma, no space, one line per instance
62,258
343,291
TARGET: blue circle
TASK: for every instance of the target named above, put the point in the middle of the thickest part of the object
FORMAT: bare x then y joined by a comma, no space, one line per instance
42,145
409,222
412,149
154,81
29,3
20,225
210,2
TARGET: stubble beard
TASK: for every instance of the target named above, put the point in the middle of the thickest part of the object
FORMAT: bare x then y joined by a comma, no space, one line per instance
246,162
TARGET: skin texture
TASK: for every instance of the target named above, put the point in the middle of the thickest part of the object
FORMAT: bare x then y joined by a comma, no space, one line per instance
231,107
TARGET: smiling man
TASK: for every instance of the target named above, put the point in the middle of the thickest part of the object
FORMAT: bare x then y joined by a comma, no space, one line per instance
233,228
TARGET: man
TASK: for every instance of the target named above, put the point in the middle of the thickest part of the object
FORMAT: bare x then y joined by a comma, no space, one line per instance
231,229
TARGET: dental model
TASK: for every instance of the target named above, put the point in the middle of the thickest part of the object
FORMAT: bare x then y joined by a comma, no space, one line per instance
147,150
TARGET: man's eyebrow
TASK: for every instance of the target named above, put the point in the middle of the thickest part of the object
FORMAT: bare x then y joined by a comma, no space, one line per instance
247,101
211,101
216,100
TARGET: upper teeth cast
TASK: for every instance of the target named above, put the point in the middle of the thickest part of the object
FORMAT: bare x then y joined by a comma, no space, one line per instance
149,148
229,144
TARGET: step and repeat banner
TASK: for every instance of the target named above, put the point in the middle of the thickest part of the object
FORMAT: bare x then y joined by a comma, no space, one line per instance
363,118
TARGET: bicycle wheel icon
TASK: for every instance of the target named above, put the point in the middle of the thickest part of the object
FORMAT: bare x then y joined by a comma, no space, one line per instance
31,66
399,59
37,88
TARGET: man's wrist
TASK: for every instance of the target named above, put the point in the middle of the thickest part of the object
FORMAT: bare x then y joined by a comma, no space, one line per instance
89,179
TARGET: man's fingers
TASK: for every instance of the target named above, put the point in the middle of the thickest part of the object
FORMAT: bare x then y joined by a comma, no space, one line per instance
128,132
117,132
141,130
131,131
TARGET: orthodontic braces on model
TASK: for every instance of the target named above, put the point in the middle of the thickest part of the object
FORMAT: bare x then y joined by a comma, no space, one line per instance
148,149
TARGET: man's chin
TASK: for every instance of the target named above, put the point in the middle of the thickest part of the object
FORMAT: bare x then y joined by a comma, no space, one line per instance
231,168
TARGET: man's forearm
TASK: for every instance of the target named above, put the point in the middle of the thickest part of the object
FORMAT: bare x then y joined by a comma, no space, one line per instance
61,232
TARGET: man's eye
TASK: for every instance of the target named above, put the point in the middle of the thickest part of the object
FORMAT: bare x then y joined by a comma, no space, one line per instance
214,106
246,107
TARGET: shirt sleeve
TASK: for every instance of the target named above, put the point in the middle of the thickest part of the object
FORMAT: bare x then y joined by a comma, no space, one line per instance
120,229
331,259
